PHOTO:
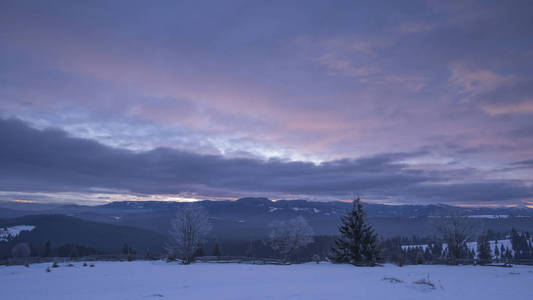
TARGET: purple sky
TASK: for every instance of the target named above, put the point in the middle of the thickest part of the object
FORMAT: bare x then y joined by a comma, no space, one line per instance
398,101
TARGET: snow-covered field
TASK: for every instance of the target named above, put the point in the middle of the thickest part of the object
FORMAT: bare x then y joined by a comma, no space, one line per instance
159,280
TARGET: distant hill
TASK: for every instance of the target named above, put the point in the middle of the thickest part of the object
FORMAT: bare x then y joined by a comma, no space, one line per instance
248,218
61,229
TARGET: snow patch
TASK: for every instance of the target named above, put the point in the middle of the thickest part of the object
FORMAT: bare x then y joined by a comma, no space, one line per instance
489,216
13,231
471,246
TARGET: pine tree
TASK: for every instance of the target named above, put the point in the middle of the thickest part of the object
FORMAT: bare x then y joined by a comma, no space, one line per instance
483,249
46,252
358,243
496,251
199,251
216,251
250,250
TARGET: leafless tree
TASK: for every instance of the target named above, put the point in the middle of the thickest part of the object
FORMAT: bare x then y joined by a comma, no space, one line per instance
455,230
187,232
287,236
21,250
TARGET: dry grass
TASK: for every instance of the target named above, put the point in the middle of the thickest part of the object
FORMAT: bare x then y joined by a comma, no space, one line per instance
392,279
425,282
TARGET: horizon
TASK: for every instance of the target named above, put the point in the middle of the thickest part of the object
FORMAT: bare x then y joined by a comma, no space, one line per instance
402,103
93,203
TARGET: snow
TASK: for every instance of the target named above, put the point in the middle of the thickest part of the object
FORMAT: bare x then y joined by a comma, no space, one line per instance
272,209
13,231
154,280
313,210
489,216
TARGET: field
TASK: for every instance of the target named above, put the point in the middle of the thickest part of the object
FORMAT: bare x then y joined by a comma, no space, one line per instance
160,280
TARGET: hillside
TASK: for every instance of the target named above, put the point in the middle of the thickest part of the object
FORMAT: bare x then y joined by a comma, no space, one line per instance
248,218
60,229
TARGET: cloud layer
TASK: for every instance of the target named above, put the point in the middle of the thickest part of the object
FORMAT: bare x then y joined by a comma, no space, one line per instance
276,86
51,161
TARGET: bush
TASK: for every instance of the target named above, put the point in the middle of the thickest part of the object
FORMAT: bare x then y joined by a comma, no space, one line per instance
55,265
48,270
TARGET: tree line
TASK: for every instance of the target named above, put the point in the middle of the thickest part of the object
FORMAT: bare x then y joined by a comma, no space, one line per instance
293,240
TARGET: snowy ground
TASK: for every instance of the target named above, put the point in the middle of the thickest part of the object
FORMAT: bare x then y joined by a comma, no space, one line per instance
159,280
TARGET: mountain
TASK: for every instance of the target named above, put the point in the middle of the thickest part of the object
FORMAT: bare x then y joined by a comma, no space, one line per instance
61,229
249,218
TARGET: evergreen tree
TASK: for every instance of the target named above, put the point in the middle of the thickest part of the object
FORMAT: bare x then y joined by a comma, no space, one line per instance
216,251
419,257
436,250
125,249
358,242
149,255
497,251
199,251
250,250
483,249
508,253
47,251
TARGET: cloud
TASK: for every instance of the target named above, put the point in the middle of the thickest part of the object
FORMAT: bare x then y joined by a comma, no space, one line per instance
340,66
50,161
414,27
501,109
473,81
302,80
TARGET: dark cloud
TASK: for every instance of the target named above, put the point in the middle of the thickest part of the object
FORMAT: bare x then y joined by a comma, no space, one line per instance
51,161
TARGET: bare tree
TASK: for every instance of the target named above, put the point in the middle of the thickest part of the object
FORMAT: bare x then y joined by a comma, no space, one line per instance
21,250
187,232
456,230
287,236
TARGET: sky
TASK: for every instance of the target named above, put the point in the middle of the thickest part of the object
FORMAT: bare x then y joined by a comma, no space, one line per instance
400,102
